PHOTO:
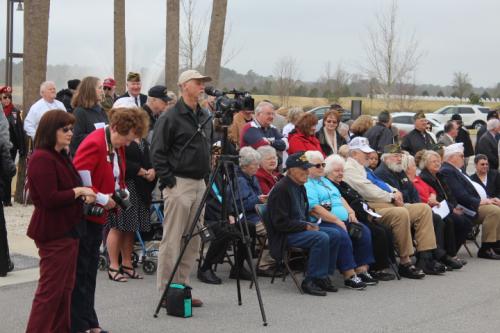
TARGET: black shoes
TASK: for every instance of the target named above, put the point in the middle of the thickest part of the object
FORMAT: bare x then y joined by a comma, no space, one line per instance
451,263
311,288
326,285
487,254
355,282
368,279
208,276
382,276
244,274
269,272
410,272
431,266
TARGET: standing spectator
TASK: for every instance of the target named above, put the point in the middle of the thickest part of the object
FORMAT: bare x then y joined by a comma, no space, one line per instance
303,138
239,121
493,114
488,144
56,223
109,96
134,87
464,137
261,131
488,179
181,158
381,134
267,175
418,138
44,104
100,158
17,137
87,110
361,125
157,103
450,133
329,139
66,95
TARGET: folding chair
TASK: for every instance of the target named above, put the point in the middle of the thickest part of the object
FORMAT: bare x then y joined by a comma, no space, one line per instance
472,236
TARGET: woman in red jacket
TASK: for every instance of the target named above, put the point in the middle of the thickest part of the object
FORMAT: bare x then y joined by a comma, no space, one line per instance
267,175
303,138
56,224
100,160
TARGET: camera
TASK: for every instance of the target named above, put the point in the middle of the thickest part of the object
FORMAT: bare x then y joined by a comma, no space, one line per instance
92,210
226,107
122,199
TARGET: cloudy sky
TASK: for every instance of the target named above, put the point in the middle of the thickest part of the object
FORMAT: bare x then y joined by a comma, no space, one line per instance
454,35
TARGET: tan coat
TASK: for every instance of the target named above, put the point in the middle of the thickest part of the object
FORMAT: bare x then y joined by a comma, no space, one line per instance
234,131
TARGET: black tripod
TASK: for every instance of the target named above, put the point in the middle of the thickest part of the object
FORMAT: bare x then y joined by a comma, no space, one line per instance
226,164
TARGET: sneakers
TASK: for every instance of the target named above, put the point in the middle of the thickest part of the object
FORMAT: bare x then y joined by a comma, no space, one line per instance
409,271
326,285
382,276
368,279
355,282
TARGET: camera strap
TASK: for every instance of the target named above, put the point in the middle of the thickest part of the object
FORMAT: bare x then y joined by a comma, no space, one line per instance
113,157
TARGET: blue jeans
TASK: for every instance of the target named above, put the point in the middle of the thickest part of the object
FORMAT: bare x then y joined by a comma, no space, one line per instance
352,254
323,248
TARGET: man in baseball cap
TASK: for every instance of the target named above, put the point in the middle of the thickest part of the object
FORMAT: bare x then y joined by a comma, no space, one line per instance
192,74
360,143
134,87
157,103
109,96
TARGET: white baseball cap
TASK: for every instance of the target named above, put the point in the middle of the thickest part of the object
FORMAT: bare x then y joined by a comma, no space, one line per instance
453,149
360,143
192,74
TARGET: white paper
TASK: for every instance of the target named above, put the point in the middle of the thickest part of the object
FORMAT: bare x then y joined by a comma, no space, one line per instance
442,210
99,125
319,221
371,212
86,178
467,211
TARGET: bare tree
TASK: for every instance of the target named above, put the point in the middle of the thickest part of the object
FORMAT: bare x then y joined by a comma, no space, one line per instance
120,50
172,44
216,39
286,72
335,83
36,34
389,59
462,84
192,32
229,54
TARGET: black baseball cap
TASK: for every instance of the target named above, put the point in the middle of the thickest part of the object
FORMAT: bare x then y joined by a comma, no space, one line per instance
159,92
298,160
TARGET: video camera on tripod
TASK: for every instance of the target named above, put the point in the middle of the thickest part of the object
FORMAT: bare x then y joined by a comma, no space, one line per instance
226,107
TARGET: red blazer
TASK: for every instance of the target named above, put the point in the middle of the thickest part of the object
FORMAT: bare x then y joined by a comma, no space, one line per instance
424,190
51,179
266,180
92,155
297,141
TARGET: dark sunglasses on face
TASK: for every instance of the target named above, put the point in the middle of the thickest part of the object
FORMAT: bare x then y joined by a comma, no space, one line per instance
106,88
319,165
66,129
7,97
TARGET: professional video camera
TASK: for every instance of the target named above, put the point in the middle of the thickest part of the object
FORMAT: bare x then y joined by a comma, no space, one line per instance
226,107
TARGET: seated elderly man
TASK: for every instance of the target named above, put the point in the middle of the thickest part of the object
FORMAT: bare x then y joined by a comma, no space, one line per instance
473,197
401,217
288,224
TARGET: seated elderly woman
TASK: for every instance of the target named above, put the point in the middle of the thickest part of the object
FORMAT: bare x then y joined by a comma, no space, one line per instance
433,190
382,240
326,203
488,178
267,175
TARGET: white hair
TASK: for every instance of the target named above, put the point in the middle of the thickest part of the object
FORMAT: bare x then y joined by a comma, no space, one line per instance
492,124
125,102
266,151
294,114
45,85
314,154
332,161
425,158
259,108
248,156
407,161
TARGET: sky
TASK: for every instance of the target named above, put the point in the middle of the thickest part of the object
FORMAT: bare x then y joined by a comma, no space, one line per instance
453,35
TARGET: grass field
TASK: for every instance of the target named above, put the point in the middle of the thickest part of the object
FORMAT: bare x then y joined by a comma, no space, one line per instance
369,106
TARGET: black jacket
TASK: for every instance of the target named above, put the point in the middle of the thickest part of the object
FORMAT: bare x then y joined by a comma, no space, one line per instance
152,117
17,134
488,146
400,181
354,199
324,144
64,96
85,124
135,160
143,98
415,141
379,136
285,213
464,191
492,183
181,144
438,183
464,137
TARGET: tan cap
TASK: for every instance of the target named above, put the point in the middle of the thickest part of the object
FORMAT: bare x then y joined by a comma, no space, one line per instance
192,74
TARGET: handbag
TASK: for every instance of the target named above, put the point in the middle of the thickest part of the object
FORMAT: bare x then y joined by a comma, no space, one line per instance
355,231
179,303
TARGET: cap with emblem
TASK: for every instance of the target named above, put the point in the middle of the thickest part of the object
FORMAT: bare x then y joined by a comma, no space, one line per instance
360,143
160,92
133,77
392,149
192,74
5,90
419,115
298,160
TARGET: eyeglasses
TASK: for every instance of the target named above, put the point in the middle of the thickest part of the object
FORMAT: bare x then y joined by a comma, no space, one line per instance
66,129
7,97
331,121
319,165
106,88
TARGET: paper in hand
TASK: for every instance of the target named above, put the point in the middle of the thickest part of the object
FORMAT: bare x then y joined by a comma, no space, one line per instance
86,178
467,211
442,210
371,212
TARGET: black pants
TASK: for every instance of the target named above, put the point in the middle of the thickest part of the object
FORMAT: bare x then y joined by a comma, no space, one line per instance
383,245
7,182
457,227
83,315
439,231
4,245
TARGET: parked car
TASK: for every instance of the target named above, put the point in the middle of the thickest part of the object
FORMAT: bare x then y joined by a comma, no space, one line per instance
321,110
473,116
404,122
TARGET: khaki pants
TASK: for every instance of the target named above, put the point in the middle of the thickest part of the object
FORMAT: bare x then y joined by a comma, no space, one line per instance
266,261
489,217
181,203
402,219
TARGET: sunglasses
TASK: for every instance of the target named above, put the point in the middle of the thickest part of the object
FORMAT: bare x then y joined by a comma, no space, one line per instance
319,165
106,88
66,129
7,97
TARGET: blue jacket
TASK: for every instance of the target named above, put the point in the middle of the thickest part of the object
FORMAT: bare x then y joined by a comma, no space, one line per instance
249,191
400,181
464,191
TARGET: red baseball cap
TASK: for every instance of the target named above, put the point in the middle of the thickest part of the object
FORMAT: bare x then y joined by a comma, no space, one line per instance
109,82
5,90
